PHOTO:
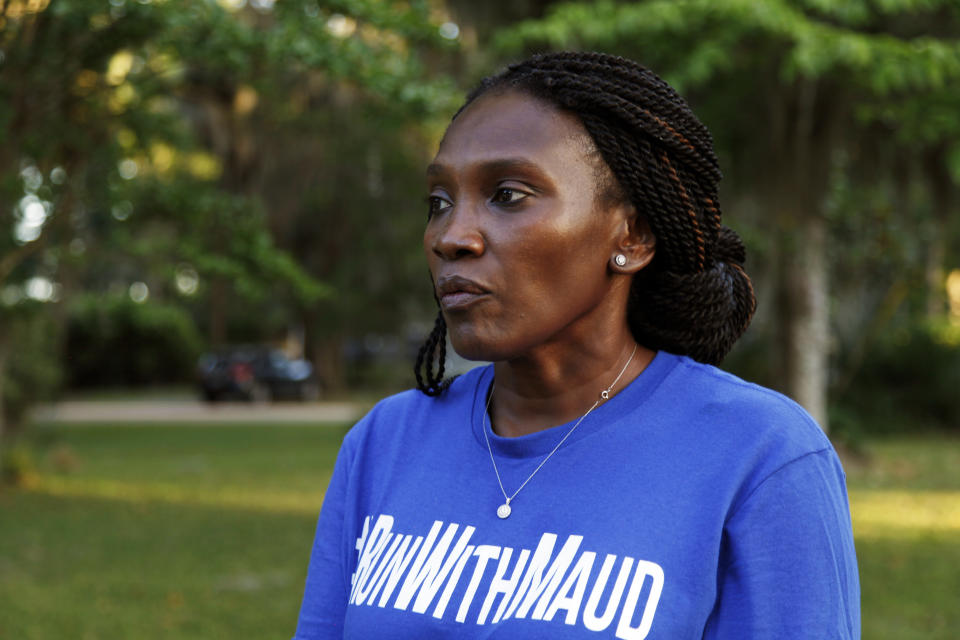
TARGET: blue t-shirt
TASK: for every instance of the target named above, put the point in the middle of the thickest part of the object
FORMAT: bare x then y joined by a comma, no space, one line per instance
690,505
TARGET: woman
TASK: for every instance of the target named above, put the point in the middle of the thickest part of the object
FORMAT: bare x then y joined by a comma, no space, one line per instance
600,479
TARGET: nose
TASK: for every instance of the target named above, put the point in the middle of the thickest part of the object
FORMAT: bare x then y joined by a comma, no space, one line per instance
455,234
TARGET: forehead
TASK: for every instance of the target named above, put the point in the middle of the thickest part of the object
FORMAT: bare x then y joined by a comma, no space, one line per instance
514,125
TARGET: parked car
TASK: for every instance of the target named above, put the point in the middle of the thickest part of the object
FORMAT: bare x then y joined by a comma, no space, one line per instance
255,373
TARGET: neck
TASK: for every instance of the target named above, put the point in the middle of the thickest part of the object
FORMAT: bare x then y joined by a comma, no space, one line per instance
558,385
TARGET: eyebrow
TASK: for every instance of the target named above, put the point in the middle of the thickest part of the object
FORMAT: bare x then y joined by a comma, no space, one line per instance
503,164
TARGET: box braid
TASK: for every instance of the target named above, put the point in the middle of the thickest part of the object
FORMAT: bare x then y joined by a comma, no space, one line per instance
434,349
694,298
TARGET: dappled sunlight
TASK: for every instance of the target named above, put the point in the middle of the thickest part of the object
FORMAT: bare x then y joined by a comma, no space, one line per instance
15,9
240,498
897,514
953,296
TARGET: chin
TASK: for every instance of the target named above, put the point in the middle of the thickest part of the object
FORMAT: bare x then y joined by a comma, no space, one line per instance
471,346
470,350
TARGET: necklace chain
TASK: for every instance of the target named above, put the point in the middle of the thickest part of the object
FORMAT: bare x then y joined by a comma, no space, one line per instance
504,510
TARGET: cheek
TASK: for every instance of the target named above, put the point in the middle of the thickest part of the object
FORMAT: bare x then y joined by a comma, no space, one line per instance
562,273
576,249
428,239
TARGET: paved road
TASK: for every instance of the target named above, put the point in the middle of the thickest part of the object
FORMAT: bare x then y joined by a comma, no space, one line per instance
139,411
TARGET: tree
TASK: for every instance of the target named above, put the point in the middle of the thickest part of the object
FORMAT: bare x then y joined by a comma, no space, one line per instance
782,85
134,139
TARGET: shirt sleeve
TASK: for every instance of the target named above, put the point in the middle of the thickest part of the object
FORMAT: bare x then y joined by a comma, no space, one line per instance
327,588
788,567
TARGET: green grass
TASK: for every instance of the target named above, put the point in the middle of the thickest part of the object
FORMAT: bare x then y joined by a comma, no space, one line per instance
929,461
163,532
905,499
203,531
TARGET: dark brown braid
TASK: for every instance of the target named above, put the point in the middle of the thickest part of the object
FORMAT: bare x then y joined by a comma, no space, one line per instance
694,298
433,350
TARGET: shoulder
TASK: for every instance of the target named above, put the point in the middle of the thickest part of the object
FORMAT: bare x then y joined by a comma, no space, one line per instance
734,429
743,409
407,414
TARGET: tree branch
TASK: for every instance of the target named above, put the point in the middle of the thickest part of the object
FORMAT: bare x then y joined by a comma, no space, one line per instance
16,257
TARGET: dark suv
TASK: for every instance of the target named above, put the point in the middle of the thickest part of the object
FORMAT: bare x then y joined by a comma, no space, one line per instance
255,373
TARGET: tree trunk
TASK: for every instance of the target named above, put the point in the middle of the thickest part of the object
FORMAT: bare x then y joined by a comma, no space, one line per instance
800,164
935,275
324,350
3,417
937,172
218,311
805,317
329,363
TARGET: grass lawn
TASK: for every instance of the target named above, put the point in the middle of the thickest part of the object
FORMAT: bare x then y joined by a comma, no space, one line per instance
166,531
203,531
905,499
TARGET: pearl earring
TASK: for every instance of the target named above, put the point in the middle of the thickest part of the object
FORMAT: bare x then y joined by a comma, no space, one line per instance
620,259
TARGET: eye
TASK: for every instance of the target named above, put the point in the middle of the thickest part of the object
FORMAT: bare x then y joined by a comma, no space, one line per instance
508,196
436,205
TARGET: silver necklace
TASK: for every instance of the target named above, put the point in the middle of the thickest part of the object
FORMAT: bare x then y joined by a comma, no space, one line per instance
504,510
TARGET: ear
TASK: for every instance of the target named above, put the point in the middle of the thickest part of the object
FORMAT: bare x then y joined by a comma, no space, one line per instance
634,241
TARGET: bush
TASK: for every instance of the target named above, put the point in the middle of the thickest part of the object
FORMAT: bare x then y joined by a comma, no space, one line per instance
31,372
117,342
910,379
17,465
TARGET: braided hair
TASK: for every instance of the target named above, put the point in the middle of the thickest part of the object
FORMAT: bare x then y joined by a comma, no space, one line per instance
694,298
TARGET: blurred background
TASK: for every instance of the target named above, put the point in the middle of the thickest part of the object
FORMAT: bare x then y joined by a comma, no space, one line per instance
206,203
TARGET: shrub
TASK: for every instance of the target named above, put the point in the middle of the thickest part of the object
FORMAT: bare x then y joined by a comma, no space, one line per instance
17,465
31,371
117,342
910,379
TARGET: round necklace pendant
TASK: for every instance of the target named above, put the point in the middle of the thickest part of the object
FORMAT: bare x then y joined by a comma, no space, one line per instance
503,511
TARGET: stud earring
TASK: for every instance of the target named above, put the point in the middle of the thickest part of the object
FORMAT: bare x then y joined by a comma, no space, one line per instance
620,259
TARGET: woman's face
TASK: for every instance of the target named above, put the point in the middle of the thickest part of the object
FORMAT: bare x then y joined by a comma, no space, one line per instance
518,241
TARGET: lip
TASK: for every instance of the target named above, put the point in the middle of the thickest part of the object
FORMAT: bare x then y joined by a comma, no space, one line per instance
457,292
